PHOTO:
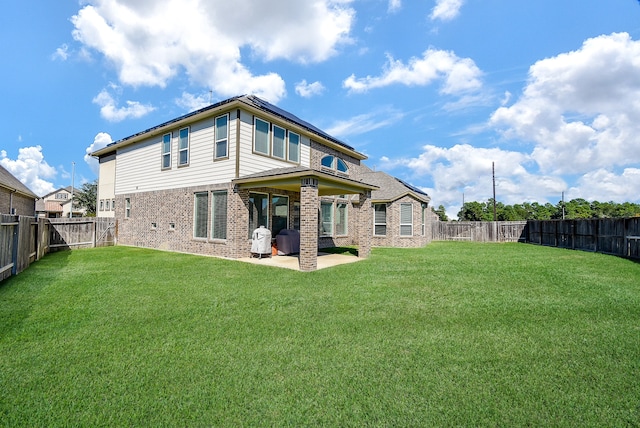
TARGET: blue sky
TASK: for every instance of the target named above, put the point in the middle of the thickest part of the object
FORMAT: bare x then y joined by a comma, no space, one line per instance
432,91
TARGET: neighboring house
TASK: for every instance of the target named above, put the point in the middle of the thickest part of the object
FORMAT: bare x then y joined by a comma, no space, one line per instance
15,197
57,204
203,182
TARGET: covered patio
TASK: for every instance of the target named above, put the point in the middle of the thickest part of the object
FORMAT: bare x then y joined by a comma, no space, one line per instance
312,184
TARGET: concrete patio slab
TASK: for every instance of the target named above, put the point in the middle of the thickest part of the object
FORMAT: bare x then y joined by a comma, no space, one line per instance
325,260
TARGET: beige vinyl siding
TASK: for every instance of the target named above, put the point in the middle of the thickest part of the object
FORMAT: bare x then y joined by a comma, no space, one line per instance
139,166
252,163
106,184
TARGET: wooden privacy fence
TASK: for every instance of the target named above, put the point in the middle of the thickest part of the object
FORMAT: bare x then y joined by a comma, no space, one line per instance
480,231
617,236
24,240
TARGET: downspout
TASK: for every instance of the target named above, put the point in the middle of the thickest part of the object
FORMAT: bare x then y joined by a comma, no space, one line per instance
238,122
11,201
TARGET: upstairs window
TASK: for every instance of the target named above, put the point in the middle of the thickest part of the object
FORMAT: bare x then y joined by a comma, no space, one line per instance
62,196
221,137
166,151
261,137
278,146
334,163
294,147
183,147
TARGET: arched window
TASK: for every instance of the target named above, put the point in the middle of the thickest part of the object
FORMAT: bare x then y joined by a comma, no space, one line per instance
334,163
341,165
327,161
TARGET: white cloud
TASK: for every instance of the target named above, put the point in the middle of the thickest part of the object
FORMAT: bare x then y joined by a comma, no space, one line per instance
446,10
192,102
395,5
459,75
150,42
101,140
110,111
604,185
364,123
464,169
308,90
31,169
580,109
61,53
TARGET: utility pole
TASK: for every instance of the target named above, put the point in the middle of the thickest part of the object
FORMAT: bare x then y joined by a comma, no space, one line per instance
73,176
493,173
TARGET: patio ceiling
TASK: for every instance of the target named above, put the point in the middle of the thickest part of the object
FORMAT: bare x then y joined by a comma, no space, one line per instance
290,179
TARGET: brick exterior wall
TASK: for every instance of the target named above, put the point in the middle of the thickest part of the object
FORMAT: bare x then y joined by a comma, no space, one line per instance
23,205
393,238
172,211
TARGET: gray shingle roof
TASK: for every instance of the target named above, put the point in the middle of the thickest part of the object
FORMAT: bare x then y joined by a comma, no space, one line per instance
8,180
392,188
253,101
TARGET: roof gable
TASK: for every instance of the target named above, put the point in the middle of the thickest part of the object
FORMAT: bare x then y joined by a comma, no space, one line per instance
392,188
9,181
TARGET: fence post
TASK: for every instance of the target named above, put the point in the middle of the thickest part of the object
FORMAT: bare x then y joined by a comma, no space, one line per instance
14,250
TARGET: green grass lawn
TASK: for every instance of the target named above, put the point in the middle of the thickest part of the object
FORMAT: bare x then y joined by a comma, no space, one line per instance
453,334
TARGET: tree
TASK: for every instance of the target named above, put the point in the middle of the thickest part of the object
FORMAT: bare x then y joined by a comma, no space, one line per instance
87,196
440,212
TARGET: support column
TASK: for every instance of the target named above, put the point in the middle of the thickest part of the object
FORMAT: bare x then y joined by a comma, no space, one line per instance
309,224
365,225
238,224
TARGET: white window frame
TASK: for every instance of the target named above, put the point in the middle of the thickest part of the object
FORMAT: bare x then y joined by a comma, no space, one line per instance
101,204
377,223
219,216
278,142
127,207
198,228
337,164
345,223
221,139
406,223
165,148
329,222
255,136
183,146
291,145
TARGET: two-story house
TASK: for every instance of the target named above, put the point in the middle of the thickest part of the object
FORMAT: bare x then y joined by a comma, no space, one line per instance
58,204
203,182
